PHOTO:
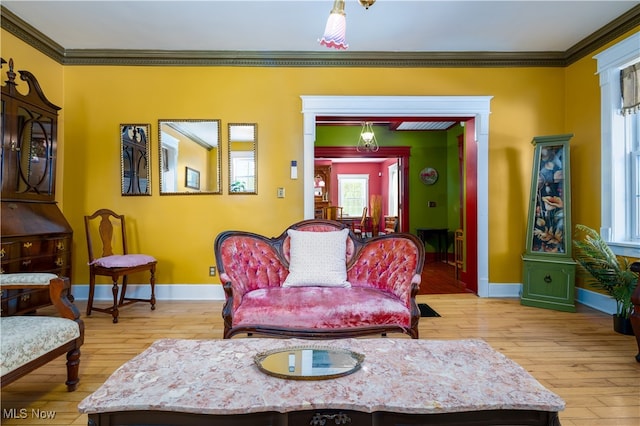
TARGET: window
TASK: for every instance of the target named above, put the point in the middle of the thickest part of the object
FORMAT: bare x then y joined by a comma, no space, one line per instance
620,152
353,194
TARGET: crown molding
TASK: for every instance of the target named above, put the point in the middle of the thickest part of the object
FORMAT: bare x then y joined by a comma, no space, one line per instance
312,59
30,35
614,29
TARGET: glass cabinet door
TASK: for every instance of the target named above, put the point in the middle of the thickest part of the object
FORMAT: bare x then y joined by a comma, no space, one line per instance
549,225
35,152
548,268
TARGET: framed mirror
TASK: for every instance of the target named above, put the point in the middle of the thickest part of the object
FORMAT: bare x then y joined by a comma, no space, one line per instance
134,159
190,157
243,171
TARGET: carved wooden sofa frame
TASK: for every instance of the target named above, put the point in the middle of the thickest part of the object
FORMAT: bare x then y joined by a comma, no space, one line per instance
30,341
384,270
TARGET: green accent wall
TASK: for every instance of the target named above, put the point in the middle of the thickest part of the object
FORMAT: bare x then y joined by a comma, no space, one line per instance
436,149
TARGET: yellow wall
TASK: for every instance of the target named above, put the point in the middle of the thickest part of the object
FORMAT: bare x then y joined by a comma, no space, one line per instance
179,230
583,120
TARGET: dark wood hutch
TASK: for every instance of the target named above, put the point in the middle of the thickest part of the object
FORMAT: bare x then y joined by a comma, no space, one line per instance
321,186
35,236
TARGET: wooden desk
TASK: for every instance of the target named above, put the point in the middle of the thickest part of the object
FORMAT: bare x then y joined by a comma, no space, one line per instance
441,236
320,209
402,381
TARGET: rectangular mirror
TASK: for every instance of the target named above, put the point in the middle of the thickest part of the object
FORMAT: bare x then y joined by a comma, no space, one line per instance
190,157
134,159
243,172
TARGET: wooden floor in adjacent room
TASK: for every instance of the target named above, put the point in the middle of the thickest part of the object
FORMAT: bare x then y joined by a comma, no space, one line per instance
440,278
576,355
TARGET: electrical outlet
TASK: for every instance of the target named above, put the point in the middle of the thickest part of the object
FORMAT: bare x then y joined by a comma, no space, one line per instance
280,192
212,271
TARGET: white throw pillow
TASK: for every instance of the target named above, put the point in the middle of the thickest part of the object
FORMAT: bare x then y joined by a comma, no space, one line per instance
317,259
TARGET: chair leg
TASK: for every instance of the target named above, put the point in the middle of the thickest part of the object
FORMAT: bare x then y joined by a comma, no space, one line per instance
152,281
124,290
114,310
92,288
73,368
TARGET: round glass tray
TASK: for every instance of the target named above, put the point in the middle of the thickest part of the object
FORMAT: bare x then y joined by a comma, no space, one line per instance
309,362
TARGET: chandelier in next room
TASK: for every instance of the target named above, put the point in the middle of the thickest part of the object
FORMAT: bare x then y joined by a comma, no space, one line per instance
367,141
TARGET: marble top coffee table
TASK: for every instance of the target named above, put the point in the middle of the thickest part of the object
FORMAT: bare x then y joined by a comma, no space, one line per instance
434,381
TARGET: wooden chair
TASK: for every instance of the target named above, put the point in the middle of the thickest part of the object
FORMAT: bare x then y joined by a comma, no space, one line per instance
390,224
361,228
114,263
31,341
459,251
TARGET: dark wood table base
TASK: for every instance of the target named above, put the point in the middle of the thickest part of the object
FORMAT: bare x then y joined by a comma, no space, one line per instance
327,418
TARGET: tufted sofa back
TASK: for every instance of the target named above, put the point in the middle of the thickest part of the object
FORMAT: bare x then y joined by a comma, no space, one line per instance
249,261
317,226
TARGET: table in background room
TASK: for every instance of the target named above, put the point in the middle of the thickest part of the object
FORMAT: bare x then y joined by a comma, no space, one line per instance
441,236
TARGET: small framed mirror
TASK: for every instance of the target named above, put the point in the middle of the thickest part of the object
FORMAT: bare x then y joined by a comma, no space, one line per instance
243,171
134,159
190,157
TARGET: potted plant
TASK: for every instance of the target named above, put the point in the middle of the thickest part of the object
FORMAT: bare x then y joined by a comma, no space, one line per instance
606,271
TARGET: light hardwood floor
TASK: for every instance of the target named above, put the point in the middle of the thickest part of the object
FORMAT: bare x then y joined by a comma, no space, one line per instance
576,355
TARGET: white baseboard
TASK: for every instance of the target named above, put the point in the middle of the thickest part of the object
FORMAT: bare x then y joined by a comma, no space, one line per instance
163,291
595,300
598,301
505,290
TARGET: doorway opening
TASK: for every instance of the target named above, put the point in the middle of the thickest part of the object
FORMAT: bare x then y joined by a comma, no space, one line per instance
399,153
475,109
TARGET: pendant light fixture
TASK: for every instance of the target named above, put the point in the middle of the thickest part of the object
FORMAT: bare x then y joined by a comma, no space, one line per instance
367,3
336,28
367,141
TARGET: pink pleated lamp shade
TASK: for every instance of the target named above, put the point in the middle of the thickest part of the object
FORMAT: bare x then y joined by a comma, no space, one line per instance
334,32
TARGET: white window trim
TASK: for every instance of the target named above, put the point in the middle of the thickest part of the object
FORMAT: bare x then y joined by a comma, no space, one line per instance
392,174
613,199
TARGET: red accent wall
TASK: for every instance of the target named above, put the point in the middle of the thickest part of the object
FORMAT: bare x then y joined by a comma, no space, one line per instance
399,153
376,183
470,278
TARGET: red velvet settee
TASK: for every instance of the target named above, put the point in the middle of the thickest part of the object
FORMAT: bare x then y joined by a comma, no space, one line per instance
383,275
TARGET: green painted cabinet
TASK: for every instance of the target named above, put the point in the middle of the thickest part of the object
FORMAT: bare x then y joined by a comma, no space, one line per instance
549,269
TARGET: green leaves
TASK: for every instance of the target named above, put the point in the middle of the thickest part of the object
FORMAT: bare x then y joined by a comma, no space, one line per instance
602,269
